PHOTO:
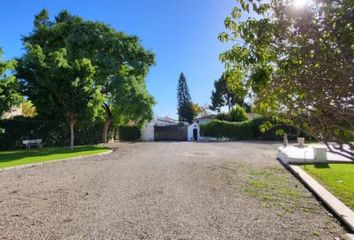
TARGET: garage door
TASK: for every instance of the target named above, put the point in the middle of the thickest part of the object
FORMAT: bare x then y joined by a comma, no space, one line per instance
170,133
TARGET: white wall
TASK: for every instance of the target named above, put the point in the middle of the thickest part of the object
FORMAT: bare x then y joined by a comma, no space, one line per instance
190,131
147,132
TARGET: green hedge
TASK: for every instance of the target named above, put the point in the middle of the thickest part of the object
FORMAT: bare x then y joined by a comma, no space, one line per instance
129,133
53,133
247,130
231,130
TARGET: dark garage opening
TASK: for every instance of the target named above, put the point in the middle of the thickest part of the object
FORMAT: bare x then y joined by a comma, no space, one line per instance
171,133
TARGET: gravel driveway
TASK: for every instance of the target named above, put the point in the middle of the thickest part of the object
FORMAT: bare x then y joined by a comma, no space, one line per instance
163,191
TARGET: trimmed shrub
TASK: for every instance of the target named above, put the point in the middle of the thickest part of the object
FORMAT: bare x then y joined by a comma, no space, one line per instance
129,133
231,130
53,133
248,130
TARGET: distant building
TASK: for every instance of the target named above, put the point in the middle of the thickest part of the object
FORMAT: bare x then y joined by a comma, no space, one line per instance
148,130
204,119
169,129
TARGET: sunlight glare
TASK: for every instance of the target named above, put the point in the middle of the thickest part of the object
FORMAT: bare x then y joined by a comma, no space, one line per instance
300,3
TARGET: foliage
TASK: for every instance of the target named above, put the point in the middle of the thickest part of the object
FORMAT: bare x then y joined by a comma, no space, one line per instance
298,62
9,88
52,132
60,86
338,178
230,130
255,129
228,91
199,110
28,109
130,101
21,157
184,101
129,133
238,114
119,62
223,117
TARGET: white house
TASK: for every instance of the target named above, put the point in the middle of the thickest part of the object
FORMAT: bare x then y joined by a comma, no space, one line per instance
177,129
147,131
191,129
204,119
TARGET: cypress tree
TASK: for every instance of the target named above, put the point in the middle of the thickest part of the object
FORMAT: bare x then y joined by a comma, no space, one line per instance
184,101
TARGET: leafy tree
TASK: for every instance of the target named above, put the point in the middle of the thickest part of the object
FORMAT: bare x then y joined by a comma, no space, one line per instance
130,97
9,87
228,91
298,63
59,86
199,109
120,62
184,101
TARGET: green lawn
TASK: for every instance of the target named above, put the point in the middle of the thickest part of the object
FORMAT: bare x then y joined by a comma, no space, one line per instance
21,157
337,178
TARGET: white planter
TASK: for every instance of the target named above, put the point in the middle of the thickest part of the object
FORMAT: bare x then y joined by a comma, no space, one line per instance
301,141
320,154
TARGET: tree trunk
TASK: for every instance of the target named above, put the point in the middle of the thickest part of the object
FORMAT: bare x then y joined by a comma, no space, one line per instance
116,133
107,123
229,103
72,134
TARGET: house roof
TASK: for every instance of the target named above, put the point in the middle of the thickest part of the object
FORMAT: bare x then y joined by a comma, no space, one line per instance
205,117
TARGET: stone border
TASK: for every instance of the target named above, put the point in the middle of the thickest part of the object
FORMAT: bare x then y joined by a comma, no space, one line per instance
348,236
344,213
53,161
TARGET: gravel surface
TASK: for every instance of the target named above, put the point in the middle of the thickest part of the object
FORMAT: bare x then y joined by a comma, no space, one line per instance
163,191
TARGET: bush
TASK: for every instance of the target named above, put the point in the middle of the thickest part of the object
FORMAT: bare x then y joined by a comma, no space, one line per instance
223,117
238,114
231,130
247,130
53,133
129,133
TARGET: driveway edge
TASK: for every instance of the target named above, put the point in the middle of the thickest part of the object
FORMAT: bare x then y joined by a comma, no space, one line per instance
53,161
339,208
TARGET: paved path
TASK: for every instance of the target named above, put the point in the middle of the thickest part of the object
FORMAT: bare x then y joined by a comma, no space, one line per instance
163,191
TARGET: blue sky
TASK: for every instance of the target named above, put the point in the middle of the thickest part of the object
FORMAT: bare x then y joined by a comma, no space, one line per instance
182,34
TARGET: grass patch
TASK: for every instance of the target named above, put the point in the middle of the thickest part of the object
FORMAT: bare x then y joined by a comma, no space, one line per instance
21,157
274,188
337,178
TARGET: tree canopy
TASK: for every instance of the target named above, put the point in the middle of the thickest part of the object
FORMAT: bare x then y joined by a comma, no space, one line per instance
228,91
298,63
9,87
118,62
60,87
184,101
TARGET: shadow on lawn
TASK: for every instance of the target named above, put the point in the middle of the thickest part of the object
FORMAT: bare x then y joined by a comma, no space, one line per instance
21,154
322,165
